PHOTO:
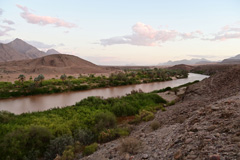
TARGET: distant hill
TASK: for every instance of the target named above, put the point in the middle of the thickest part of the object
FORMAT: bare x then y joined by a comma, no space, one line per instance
187,62
20,50
52,64
232,60
181,67
52,51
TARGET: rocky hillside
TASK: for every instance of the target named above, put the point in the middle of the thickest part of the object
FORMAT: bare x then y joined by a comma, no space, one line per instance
205,124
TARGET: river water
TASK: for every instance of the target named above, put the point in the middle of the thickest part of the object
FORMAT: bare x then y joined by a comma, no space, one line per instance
44,102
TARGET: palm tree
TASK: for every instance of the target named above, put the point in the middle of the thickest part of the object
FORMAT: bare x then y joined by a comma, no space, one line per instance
21,78
63,77
36,80
41,78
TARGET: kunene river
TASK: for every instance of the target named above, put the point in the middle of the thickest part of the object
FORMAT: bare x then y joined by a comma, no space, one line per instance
44,102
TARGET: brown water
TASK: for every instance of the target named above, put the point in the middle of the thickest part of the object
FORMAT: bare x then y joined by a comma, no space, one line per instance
45,102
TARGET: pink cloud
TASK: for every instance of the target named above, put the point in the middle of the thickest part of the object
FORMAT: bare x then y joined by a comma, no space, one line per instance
145,35
4,30
227,32
43,20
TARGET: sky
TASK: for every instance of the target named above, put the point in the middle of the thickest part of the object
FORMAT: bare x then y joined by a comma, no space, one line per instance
126,32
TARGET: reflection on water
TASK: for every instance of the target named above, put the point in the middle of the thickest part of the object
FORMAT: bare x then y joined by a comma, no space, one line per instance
44,102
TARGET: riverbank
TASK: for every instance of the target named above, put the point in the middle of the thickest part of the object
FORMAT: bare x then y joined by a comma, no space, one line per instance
39,85
44,102
74,129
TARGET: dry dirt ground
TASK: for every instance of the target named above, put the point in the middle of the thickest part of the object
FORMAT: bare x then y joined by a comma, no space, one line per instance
203,124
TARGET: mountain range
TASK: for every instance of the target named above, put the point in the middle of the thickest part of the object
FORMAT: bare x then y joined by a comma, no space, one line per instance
20,50
187,62
232,60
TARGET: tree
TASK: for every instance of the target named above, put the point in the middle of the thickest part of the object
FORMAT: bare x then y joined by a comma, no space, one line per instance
41,77
21,78
36,80
63,77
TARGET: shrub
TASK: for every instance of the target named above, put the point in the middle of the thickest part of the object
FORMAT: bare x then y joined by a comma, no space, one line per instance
107,135
90,149
6,116
84,136
130,145
144,116
105,120
171,103
68,153
123,132
57,146
155,125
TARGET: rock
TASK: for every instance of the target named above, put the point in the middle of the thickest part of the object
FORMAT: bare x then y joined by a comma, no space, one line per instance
145,156
211,128
214,108
127,156
189,140
192,157
236,139
178,154
214,157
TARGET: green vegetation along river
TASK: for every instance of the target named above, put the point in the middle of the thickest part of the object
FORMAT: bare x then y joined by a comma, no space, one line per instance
44,102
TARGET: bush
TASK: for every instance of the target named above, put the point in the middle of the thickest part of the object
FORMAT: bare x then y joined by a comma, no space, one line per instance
111,134
68,153
105,120
6,116
155,125
144,116
130,145
107,135
57,146
90,149
171,103
84,136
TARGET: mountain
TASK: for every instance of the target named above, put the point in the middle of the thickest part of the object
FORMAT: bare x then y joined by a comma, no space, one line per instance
26,49
7,53
52,51
20,50
232,60
52,65
187,62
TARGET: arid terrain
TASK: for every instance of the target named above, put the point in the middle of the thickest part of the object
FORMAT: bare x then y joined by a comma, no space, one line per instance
51,66
204,124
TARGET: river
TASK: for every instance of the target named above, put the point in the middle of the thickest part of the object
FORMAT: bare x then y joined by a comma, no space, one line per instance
44,102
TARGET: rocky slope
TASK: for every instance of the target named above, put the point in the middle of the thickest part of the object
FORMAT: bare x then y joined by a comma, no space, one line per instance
205,124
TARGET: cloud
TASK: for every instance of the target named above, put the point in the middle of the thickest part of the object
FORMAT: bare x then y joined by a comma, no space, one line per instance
43,20
145,35
5,29
8,22
227,32
1,11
